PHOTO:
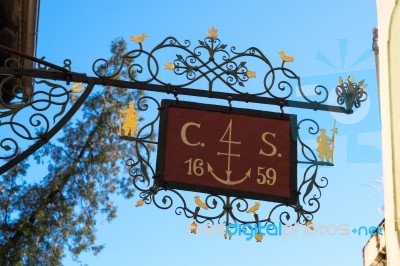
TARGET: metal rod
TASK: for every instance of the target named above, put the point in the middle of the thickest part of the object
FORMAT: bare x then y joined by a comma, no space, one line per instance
316,163
138,139
78,77
34,59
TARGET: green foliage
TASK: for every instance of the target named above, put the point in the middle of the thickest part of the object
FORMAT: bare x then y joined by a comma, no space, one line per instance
40,221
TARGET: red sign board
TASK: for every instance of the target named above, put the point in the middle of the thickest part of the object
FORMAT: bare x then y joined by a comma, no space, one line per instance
237,152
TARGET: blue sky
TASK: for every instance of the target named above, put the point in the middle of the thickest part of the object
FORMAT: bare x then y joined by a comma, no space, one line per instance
328,39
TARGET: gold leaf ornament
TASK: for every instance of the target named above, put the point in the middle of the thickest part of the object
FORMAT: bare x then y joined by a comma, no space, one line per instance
193,228
212,32
251,74
139,203
362,85
76,87
258,237
169,66
227,235
310,225
350,79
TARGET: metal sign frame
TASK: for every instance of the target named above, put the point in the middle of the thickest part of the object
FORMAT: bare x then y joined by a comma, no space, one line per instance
162,143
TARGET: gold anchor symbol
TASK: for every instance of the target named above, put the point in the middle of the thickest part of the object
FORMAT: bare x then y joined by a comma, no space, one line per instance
229,154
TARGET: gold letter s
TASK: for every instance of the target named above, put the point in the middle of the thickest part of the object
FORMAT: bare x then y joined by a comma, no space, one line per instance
274,149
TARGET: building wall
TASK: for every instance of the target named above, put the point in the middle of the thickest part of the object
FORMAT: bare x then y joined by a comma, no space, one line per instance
18,31
389,86
374,251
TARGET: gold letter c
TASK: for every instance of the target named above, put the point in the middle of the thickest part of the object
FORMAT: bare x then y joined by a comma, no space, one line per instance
183,133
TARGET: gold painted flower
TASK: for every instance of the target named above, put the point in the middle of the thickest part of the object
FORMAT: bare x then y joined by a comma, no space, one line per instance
193,228
169,66
310,225
258,237
139,203
212,32
251,74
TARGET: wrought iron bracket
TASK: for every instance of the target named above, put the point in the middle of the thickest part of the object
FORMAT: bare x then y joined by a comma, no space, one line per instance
226,75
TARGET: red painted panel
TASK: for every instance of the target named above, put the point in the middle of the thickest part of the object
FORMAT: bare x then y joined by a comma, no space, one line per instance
222,151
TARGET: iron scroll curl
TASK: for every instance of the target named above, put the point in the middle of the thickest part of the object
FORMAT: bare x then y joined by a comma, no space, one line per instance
211,61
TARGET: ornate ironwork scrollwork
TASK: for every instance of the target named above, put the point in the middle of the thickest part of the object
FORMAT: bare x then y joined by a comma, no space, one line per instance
211,61
351,93
229,75
219,209
144,136
38,110
12,116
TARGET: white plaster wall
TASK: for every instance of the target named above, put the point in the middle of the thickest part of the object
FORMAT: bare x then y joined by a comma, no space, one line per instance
389,86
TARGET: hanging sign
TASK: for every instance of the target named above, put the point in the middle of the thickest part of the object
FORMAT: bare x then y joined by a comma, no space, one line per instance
230,151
